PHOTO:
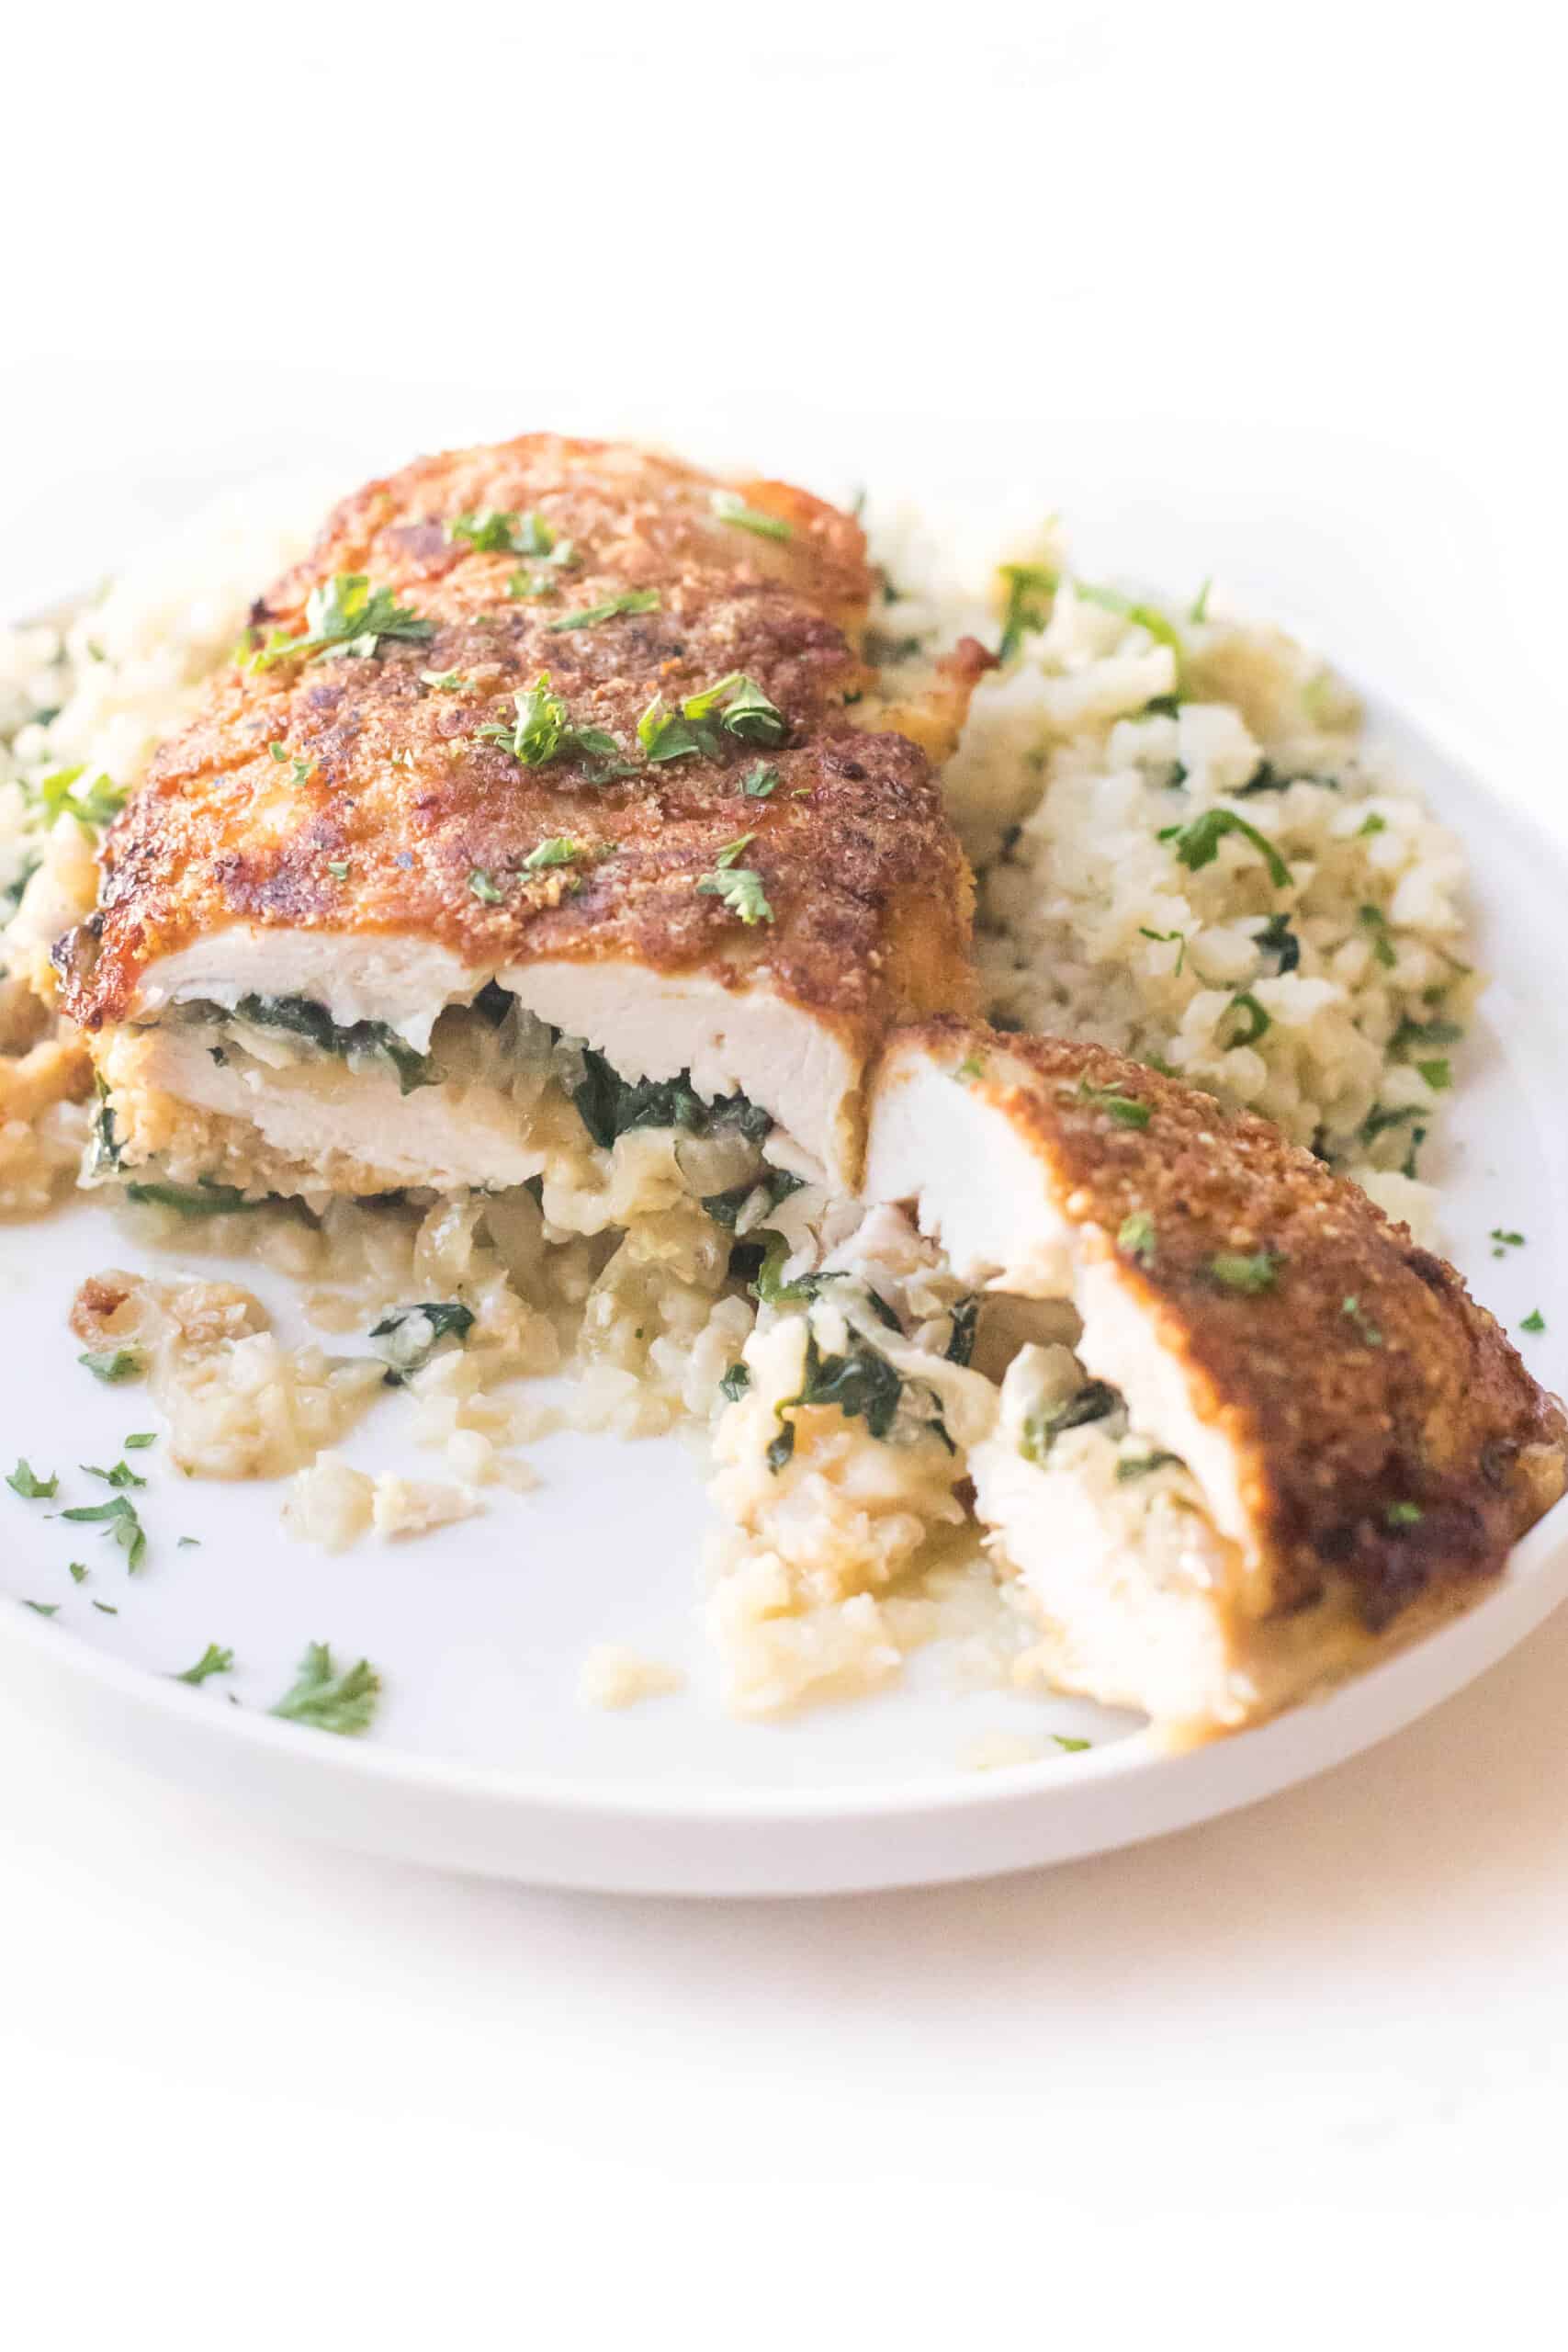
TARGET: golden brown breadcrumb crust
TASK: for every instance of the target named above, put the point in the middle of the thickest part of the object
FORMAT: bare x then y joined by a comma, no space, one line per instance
380,805
1388,1436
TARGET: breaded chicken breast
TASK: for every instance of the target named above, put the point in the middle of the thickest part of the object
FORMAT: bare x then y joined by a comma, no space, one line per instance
560,721
1286,1436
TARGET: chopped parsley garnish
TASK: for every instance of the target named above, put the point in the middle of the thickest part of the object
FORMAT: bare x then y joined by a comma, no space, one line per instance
301,767
1197,843
1354,1312
970,1068
530,587
1378,1120
1423,1033
1140,1465
345,616
760,783
1404,1515
113,1363
1372,824
561,850
25,1481
1256,1022
339,868
1198,612
213,1660
1125,1110
735,1382
41,1608
1439,1075
1267,777
636,600
443,681
328,1699
501,532
55,796
106,1608
1136,1236
122,1475
735,705
1534,1321
483,888
1235,1270
1176,938
1373,919
77,1571
1093,1402
205,1198
416,1333
730,507
1071,1747
1277,938
542,731
740,887
1143,617
119,1523
1505,1241
1031,587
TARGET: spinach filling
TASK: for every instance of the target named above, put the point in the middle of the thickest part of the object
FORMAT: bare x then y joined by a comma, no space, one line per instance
299,1016
610,1105
863,1384
1096,1401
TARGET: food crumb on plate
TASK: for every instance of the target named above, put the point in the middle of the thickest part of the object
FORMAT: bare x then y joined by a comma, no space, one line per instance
616,1676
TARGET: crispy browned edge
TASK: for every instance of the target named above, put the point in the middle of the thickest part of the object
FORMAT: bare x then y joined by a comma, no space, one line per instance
1338,1437
872,896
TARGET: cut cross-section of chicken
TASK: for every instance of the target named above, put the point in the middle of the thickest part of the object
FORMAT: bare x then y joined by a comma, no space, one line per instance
1285,1438
558,719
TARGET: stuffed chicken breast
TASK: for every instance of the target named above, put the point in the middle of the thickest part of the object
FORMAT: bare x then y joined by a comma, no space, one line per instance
1280,1438
551,741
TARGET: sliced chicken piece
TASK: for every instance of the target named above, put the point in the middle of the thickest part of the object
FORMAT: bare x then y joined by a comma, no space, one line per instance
1287,1438
566,717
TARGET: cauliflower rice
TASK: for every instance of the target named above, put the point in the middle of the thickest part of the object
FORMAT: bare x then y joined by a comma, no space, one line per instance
1186,850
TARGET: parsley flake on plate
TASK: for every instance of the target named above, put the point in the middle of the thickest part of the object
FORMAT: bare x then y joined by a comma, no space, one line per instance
328,1699
214,1659
25,1481
122,1475
119,1523
1534,1321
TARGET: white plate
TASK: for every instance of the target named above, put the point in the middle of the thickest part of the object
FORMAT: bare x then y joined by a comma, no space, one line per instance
482,1759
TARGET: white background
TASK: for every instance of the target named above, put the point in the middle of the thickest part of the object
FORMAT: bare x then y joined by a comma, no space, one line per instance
1305,2064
